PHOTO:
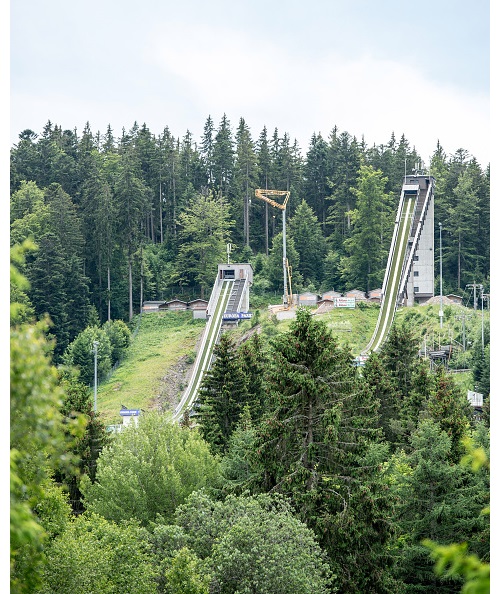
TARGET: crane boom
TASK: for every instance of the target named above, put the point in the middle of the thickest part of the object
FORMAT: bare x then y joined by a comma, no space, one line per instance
264,195
287,269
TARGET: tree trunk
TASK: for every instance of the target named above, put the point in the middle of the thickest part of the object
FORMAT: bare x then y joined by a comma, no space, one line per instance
109,294
161,218
142,282
131,305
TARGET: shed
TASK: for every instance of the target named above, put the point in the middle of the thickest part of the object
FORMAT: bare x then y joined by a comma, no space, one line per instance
330,295
308,298
455,299
375,295
357,294
175,305
152,305
198,304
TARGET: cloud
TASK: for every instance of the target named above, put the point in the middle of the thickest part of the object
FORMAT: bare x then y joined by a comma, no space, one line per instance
186,71
253,76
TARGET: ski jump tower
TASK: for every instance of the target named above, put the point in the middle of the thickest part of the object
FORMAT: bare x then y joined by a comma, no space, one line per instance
409,276
229,303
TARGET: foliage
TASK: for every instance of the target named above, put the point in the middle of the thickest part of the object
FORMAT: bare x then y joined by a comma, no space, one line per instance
185,576
439,501
366,248
313,445
119,337
309,242
37,447
94,555
81,354
222,395
452,560
253,544
149,471
205,231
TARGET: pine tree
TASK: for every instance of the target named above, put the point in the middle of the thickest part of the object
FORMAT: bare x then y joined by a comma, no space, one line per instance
436,500
224,157
309,243
222,396
264,181
132,197
344,160
367,247
449,408
315,172
207,152
205,231
245,173
314,446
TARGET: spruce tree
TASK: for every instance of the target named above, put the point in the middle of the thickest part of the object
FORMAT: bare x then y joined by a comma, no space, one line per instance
222,396
309,243
315,445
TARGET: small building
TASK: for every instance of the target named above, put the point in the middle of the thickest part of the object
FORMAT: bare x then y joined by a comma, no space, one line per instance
130,415
198,304
174,305
455,299
329,296
357,294
199,308
308,299
375,295
148,306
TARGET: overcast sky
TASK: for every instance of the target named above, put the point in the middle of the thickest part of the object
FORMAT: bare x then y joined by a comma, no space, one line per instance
371,68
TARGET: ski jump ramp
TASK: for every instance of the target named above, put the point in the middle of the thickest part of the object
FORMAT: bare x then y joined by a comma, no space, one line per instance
229,297
411,255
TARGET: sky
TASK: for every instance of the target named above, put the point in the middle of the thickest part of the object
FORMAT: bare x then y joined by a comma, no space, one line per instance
370,68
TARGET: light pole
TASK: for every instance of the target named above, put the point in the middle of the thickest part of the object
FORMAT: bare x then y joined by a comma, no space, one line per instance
440,278
482,320
96,344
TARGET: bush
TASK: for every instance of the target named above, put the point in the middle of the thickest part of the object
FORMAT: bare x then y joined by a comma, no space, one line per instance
80,354
119,336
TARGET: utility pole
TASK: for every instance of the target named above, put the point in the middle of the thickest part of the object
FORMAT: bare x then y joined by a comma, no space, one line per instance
483,297
474,286
463,317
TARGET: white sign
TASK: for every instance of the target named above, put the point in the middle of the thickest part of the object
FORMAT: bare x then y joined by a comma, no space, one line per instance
344,302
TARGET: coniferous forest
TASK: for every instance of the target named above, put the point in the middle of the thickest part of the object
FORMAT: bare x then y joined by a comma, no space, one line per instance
302,473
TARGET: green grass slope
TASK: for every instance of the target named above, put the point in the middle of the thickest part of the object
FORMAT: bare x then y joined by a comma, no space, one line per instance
165,344
163,340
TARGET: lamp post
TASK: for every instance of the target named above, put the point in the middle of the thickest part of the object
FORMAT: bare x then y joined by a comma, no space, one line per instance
440,278
96,344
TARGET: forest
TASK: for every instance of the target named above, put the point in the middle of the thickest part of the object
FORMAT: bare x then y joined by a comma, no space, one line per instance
299,472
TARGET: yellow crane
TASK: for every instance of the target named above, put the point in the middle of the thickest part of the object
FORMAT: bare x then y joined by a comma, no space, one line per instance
287,269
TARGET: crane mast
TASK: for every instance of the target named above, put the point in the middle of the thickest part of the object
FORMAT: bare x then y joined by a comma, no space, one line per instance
287,269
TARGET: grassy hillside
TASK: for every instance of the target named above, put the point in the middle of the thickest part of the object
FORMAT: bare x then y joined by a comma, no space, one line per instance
156,368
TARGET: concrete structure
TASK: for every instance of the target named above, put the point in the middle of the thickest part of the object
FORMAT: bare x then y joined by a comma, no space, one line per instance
242,274
420,283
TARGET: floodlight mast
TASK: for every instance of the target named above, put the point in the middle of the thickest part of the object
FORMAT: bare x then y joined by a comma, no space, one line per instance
287,279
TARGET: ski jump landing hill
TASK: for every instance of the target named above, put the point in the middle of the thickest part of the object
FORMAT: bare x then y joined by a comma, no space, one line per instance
411,261
409,276
229,302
